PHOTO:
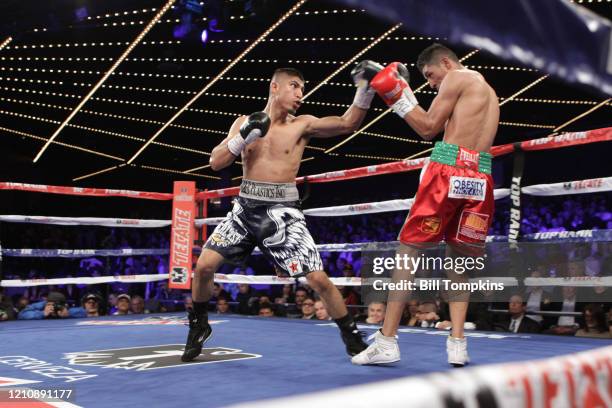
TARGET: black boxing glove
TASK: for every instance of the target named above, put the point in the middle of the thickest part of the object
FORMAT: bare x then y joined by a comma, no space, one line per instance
362,74
256,126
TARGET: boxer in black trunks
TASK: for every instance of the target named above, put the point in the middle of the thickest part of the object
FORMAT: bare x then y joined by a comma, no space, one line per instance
267,213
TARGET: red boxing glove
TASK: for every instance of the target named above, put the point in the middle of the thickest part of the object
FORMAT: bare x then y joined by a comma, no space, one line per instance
391,84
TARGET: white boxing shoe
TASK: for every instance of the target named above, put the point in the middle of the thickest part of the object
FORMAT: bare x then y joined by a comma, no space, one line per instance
383,350
456,349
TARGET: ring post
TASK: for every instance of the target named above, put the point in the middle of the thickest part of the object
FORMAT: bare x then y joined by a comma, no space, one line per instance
182,234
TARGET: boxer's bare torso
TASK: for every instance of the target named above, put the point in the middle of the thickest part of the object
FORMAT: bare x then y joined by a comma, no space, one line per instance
276,157
475,116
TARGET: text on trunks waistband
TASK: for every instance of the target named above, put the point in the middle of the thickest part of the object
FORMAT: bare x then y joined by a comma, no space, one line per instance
269,191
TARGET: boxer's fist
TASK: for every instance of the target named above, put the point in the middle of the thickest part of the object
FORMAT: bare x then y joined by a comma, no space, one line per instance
254,127
362,74
391,84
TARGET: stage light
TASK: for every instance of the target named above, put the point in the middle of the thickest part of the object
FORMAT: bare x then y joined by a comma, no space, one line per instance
214,26
183,29
81,14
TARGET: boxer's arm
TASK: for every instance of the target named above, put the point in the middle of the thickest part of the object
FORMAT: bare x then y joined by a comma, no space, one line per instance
330,126
221,157
431,122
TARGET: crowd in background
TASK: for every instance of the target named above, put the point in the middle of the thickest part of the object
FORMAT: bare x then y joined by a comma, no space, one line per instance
587,312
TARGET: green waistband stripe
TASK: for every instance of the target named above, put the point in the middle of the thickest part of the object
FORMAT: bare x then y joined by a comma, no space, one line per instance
446,153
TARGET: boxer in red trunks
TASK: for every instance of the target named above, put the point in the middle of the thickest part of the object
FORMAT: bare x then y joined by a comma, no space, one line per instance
454,201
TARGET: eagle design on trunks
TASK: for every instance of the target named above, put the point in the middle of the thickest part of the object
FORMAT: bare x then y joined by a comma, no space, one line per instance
292,246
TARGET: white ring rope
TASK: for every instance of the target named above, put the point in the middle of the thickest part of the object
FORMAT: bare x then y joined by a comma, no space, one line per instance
596,281
603,184
581,236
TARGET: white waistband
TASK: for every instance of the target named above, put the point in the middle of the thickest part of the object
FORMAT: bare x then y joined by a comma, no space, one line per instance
259,190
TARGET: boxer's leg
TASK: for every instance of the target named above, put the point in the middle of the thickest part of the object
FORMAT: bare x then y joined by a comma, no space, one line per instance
397,298
423,227
466,238
319,281
331,296
289,245
458,300
204,274
230,241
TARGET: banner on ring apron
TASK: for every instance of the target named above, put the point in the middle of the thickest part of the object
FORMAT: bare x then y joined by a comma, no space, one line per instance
182,234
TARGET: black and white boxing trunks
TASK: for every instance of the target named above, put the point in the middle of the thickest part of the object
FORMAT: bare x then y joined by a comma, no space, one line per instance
267,215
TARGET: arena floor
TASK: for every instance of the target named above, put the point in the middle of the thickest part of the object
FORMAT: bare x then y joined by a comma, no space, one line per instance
133,361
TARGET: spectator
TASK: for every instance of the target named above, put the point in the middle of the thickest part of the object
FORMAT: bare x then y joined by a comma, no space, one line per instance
321,311
295,310
428,314
518,322
376,313
112,303
266,311
592,263
538,296
163,293
287,296
123,305
53,308
22,303
243,298
223,306
218,291
137,305
308,309
188,301
263,298
410,313
300,295
566,324
7,312
91,304
595,324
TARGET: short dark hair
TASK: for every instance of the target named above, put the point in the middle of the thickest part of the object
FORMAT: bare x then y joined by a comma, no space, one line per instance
598,315
523,301
433,53
290,72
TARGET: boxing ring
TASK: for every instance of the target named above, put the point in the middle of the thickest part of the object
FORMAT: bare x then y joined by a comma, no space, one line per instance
303,363
134,360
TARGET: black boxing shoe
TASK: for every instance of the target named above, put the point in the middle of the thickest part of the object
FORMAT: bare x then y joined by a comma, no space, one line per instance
353,340
199,332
